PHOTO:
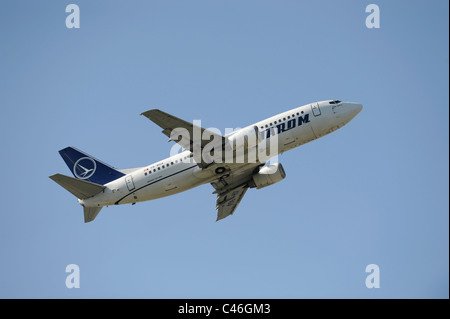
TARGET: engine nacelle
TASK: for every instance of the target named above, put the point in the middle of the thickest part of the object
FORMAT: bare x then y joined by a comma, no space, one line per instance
268,175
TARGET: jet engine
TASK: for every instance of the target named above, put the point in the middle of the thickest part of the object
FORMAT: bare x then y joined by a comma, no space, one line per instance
267,175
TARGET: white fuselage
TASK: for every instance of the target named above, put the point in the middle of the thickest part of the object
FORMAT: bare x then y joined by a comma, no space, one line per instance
180,172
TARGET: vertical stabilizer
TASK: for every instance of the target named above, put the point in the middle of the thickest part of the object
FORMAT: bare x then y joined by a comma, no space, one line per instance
88,168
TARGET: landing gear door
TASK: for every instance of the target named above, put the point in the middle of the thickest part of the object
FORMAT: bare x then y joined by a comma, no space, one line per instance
315,109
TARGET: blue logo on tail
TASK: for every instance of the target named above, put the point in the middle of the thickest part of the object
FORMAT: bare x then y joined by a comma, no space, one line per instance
84,168
88,168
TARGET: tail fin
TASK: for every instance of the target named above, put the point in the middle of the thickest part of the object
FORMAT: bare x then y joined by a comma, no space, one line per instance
88,168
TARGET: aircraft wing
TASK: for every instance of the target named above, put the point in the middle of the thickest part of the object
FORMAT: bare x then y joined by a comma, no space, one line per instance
230,190
186,134
228,201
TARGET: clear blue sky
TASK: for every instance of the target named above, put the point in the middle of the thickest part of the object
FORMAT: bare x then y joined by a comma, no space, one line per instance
374,192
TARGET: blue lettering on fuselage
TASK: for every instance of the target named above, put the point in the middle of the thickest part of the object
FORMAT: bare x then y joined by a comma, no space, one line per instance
286,126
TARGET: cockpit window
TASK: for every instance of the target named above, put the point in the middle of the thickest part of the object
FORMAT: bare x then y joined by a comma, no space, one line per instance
335,102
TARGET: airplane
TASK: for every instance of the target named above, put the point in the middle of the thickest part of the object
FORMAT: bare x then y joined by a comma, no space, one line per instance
231,163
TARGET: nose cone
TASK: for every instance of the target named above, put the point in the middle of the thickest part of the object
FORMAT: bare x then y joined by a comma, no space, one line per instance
354,108
349,111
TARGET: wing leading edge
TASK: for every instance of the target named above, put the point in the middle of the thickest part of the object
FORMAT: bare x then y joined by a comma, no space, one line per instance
176,130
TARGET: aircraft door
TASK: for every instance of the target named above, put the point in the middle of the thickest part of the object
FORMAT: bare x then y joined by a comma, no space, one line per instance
315,109
129,182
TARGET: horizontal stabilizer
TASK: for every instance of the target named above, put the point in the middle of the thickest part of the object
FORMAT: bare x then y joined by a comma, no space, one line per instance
81,189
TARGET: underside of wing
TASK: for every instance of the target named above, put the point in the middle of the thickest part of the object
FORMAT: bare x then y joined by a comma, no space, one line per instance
230,190
227,202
